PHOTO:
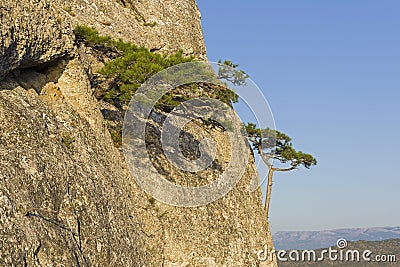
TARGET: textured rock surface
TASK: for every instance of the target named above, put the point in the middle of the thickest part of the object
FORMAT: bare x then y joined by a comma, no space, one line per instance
66,196
32,33
38,31
166,26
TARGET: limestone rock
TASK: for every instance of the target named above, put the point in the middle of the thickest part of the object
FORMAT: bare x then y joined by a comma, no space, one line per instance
165,26
66,196
32,33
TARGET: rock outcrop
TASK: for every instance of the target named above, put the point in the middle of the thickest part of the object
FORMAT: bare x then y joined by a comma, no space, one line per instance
66,196
32,33
165,26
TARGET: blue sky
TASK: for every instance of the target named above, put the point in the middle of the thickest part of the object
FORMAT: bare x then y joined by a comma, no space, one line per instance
331,73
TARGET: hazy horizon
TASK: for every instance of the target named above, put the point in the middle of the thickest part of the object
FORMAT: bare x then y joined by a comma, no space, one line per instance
330,71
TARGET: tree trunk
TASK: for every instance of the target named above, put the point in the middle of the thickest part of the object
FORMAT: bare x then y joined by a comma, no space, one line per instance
269,189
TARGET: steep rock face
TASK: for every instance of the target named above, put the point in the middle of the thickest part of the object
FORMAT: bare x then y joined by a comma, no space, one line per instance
32,33
165,26
227,232
66,196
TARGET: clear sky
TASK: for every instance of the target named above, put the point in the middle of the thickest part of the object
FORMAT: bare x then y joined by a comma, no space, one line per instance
331,73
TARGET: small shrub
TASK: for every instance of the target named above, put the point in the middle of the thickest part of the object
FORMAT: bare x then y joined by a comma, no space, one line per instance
134,66
68,141
91,37
152,200
116,136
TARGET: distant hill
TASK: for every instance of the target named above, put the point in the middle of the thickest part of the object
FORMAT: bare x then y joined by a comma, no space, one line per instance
385,249
320,239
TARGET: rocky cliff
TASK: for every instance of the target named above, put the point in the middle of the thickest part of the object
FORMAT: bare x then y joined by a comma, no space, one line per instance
66,196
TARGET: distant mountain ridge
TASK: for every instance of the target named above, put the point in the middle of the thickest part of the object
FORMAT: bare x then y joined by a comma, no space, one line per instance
319,239
386,249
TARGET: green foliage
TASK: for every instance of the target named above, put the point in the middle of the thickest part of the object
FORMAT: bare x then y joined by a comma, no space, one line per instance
91,37
116,135
134,65
228,71
169,101
277,145
152,200
68,141
225,95
131,68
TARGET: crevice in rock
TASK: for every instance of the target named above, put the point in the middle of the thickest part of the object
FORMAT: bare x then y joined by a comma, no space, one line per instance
24,260
77,260
156,49
37,77
36,214
36,253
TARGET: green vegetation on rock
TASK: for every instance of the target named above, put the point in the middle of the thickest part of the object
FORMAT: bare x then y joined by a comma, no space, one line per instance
68,141
274,145
134,65
131,68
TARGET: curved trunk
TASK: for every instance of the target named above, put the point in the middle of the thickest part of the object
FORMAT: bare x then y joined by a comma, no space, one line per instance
269,189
